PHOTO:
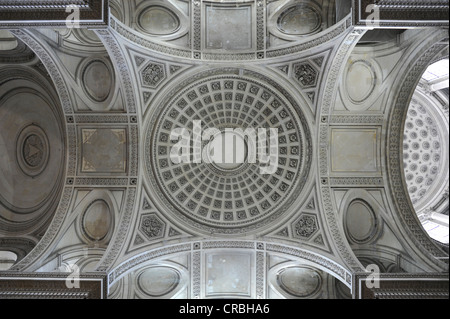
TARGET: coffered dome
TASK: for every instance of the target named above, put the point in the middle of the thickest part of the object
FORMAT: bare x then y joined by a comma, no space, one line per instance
229,197
425,152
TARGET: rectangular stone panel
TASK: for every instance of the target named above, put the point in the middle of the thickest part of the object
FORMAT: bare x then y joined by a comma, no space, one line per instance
229,28
354,150
228,274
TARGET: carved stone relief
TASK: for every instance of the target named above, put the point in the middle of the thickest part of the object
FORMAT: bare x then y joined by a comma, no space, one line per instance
152,227
305,74
33,150
305,227
153,74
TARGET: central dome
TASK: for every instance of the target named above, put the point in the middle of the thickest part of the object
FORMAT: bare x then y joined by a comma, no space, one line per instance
243,193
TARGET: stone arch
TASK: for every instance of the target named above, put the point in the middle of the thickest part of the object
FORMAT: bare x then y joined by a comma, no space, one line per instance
401,96
254,254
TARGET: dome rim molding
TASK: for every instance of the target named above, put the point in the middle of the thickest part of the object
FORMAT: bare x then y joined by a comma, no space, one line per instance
305,177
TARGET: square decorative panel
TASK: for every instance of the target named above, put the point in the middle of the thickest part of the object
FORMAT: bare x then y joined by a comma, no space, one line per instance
104,150
354,150
228,274
229,28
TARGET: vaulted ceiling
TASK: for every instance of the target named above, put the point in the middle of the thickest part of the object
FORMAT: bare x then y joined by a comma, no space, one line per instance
359,176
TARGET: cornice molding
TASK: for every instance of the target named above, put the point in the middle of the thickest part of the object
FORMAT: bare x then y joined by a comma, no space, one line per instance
400,286
25,14
52,285
400,13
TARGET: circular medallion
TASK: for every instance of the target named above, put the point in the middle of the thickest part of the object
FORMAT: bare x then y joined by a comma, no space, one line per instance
240,155
32,150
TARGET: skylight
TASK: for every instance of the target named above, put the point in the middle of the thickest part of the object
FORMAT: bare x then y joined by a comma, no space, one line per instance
436,71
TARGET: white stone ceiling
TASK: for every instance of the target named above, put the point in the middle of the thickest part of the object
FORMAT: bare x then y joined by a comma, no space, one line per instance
335,203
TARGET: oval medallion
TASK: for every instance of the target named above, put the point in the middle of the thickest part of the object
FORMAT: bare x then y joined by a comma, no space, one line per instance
97,80
158,20
361,222
299,281
299,20
159,281
97,220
